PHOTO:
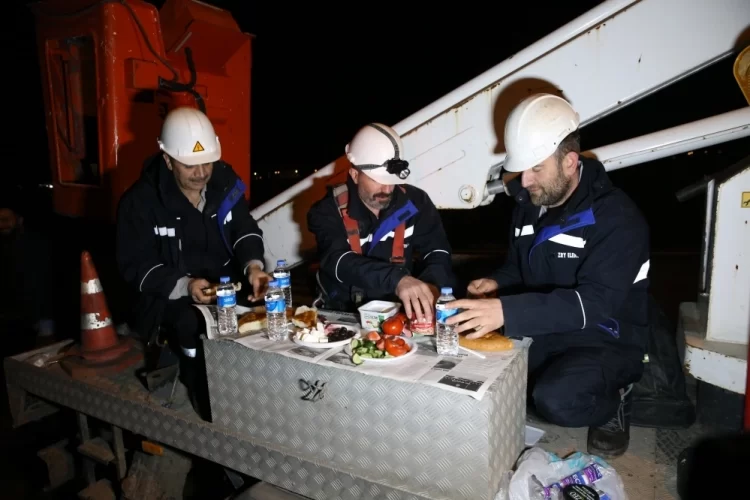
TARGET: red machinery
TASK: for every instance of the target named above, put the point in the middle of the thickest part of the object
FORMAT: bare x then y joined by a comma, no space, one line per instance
111,70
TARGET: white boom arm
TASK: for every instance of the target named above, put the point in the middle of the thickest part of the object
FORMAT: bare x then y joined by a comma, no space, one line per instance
610,57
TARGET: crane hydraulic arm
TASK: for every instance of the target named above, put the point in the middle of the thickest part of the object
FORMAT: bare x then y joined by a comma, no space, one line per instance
613,55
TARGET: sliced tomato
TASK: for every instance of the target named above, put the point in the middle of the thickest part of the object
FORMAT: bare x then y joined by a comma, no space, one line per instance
400,342
381,345
374,336
395,349
403,318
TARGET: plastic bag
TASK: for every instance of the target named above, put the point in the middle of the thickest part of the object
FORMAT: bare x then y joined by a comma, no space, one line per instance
537,468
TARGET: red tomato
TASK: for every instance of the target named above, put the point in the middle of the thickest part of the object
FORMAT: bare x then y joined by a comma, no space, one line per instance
392,326
393,348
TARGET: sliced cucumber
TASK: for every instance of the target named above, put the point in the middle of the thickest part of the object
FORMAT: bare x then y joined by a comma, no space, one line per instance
355,343
356,359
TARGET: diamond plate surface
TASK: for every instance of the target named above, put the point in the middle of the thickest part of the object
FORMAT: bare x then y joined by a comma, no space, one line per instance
276,465
670,443
408,436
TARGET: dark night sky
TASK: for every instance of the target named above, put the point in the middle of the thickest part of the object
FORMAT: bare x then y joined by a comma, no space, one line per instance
320,72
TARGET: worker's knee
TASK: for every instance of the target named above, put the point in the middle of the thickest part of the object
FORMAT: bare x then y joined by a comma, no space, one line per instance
561,403
562,407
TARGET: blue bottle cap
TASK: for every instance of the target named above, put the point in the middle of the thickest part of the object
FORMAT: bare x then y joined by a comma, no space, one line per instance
446,290
281,263
224,279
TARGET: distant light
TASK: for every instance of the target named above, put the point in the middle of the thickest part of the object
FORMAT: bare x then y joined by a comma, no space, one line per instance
296,171
316,169
690,153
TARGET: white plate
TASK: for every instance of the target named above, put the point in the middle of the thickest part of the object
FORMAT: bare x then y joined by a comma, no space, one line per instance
413,348
327,345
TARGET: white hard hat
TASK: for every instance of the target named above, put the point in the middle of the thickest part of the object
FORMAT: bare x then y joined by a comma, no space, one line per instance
377,151
188,136
535,128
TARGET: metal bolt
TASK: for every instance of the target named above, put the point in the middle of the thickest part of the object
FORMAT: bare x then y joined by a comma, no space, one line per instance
466,193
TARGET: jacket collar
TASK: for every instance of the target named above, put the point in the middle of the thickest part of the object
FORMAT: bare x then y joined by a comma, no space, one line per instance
156,173
359,211
593,184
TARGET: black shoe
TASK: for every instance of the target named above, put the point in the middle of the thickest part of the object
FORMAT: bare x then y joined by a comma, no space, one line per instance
613,438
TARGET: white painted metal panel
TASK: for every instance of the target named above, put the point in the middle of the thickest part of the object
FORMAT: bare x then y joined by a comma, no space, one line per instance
716,368
729,293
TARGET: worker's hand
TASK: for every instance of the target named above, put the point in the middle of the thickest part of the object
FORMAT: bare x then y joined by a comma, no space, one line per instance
417,297
259,281
435,292
195,289
481,315
481,287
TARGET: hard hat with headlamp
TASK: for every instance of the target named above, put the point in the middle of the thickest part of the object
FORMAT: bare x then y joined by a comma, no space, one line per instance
377,151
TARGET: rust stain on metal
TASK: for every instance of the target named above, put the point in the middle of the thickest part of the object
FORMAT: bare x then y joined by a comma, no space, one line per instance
456,107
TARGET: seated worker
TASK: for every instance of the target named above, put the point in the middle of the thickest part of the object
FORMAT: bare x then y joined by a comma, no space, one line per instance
183,225
370,230
575,279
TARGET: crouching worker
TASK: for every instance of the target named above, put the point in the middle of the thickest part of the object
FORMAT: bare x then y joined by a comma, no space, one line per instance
575,279
180,228
372,229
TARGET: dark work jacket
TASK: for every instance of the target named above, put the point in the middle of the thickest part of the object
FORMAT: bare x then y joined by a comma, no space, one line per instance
582,272
342,270
161,237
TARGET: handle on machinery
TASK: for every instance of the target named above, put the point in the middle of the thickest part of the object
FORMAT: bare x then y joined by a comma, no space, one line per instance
693,190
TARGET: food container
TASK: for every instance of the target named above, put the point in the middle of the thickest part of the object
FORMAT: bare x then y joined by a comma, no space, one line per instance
375,312
422,327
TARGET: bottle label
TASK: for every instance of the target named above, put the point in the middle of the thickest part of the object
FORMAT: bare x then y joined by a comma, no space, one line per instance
442,313
276,306
227,300
284,281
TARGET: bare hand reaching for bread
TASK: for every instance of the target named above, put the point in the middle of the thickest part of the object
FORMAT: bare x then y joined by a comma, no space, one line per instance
196,287
259,281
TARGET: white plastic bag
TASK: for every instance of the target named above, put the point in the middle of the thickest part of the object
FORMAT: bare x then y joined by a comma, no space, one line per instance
537,468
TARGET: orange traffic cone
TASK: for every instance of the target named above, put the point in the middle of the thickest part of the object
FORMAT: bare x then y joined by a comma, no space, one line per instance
101,348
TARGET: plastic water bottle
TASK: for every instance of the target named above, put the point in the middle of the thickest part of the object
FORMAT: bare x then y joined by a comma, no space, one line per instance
226,301
283,276
446,336
276,312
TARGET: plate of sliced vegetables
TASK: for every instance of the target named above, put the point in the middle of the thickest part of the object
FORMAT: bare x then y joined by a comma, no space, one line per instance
376,348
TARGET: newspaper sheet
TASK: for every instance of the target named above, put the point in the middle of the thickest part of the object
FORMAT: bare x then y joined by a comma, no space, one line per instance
463,374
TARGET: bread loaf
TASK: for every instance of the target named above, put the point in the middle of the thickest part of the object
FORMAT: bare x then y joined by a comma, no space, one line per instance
492,341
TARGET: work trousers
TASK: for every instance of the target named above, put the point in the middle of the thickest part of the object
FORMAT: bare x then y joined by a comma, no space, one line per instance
572,384
183,323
